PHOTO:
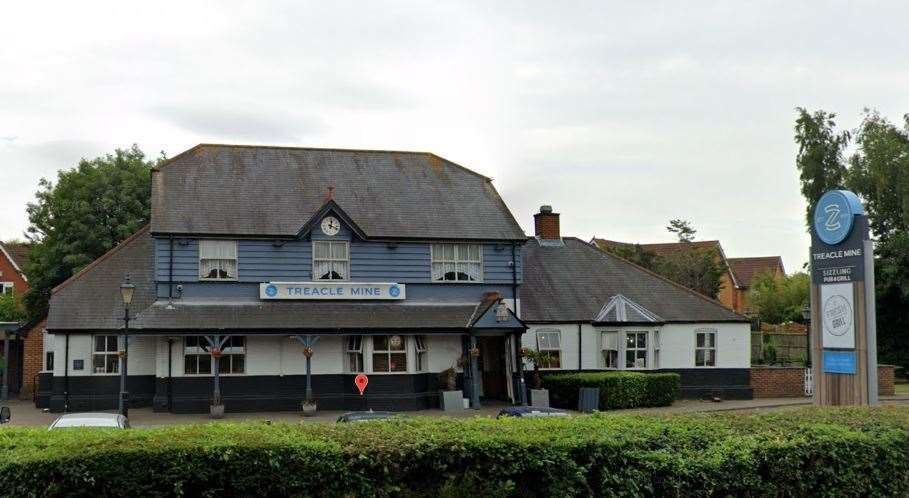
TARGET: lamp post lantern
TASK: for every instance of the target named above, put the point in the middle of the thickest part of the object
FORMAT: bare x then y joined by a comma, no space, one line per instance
126,294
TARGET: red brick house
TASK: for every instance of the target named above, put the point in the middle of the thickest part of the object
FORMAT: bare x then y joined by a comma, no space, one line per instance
27,346
746,269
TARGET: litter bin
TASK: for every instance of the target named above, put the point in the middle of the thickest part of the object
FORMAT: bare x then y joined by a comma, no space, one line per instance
588,399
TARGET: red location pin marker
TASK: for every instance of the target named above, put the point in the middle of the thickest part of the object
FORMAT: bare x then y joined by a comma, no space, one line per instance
361,381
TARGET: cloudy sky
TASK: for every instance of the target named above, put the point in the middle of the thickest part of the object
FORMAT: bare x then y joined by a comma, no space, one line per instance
620,115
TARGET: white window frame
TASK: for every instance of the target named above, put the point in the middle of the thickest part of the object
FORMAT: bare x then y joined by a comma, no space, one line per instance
331,260
707,332
49,365
360,358
7,287
388,352
636,348
605,346
227,353
110,357
421,354
230,254
438,260
548,348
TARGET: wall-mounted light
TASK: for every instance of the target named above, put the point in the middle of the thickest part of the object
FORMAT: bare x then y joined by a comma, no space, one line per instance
278,243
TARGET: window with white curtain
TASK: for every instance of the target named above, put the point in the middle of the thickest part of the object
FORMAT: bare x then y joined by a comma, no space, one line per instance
636,350
609,347
105,359
705,348
218,259
354,350
550,342
457,263
330,260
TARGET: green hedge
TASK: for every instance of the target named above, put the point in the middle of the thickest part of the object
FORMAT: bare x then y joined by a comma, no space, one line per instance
617,389
816,452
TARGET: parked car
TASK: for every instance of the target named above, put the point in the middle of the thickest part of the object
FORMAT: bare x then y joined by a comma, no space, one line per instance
368,416
531,411
4,414
107,420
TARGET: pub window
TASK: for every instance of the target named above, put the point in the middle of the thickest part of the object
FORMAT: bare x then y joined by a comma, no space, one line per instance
104,356
49,361
422,353
389,353
457,263
705,348
354,353
636,350
609,347
218,259
330,260
550,342
197,359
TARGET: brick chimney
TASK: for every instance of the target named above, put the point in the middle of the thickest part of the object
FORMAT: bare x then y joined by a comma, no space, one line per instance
546,224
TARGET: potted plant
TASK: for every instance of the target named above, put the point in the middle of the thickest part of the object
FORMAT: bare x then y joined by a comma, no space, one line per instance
538,395
452,397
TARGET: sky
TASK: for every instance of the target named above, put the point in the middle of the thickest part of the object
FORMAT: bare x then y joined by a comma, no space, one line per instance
621,116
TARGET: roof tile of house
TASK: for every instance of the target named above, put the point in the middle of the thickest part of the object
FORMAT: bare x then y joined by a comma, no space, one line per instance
745,269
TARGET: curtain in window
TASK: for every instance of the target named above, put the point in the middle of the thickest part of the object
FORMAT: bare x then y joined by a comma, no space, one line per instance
217,258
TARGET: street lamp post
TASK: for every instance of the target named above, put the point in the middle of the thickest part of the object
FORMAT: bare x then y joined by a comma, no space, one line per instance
126,293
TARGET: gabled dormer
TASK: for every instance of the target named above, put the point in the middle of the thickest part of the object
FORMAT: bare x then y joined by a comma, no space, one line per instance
620,309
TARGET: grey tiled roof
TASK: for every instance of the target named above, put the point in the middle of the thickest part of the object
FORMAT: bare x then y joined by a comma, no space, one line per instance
90,300
248,190
304,315
573,282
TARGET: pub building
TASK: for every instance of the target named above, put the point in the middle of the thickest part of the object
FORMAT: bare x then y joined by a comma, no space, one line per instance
399,265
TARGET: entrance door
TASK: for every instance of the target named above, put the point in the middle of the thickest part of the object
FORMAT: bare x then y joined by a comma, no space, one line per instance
492,367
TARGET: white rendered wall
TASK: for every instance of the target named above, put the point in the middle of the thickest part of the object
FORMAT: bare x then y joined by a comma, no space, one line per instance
142,352
676,347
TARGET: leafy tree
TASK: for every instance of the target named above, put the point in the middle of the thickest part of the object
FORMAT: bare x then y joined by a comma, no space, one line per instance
779,298
683,229
10,308
697,268
820,156
88,211
636,254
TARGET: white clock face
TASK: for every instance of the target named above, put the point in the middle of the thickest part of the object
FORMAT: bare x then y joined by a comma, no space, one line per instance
331,226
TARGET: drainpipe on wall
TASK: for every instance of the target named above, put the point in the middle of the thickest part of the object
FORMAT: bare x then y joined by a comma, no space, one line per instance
170,380
170,276
580,342
66,375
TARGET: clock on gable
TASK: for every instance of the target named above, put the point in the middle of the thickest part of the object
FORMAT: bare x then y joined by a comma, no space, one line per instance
331,226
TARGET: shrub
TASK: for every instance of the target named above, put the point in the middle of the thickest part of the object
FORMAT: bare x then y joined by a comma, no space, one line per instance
816,452
617,389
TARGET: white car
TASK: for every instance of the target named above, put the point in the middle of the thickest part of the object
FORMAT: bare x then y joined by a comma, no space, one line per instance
108,420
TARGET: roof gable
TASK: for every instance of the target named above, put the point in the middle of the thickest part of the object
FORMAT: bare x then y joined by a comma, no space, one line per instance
17,254
622,309
745,269
275,191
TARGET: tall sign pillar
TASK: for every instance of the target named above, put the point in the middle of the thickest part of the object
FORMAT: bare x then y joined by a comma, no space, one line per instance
843,328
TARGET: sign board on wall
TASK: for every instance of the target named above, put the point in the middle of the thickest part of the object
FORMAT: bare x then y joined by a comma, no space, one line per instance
332,291
837,316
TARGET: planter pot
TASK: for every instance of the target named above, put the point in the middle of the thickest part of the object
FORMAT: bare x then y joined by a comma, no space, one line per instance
309,409
216,411
539,397
466,403
452,400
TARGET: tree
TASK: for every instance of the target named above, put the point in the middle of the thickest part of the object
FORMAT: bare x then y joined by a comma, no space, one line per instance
10,308
636,254
683,229
779,298
697,268
88,211
820,156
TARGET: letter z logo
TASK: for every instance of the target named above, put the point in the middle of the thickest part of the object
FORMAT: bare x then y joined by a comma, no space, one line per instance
833,217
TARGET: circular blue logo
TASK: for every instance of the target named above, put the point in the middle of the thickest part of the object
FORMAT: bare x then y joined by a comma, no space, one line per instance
394,291
271,290
834,215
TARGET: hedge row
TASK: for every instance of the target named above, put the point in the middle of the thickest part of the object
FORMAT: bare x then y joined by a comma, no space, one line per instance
816,452
617,389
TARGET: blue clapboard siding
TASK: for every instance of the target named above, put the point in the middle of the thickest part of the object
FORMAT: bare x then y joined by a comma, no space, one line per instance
262,261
